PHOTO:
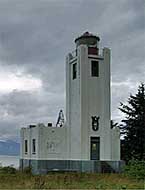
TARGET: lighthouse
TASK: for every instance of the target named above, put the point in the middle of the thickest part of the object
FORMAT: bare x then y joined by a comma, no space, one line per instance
85,141
88,100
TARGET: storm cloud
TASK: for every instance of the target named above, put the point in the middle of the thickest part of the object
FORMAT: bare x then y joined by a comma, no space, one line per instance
35,37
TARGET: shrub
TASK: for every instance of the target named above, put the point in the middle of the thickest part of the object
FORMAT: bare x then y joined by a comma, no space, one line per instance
8,170
135,169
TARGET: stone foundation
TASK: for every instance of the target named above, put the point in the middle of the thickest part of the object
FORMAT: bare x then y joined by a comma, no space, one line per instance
96,166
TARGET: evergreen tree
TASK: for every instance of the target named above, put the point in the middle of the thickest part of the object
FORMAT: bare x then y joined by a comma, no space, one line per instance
133,126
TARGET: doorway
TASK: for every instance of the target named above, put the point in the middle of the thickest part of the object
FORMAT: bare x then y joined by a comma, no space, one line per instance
95,148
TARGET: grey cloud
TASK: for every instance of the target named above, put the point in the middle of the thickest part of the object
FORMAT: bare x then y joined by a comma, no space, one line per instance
36,35
9,130
17,103
29,104
21,108
120,93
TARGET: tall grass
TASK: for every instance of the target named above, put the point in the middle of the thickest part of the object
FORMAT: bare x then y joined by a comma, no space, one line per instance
56,180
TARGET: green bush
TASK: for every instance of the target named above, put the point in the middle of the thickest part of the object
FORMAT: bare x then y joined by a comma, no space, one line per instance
135,169
8,170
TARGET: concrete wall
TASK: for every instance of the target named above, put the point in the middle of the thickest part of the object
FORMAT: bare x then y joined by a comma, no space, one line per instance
88,96
73,109
115,143
29,134
97,103
44,166
51,142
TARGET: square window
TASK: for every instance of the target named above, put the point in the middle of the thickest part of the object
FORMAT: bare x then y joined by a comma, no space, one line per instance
94,68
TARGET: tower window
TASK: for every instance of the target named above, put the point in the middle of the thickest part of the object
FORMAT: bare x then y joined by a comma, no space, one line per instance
74,71
26,146
94,68
33,146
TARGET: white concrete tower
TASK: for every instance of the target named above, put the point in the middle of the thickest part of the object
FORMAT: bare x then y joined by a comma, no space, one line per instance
86,143
88,100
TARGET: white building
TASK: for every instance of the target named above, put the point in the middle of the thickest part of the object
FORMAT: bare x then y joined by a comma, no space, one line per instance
86,141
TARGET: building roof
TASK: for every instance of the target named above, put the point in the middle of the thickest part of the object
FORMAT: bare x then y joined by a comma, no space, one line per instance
87,35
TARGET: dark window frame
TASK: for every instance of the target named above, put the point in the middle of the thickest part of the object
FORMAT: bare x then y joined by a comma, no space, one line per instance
74,71
26,146
33,146
94,68
94,148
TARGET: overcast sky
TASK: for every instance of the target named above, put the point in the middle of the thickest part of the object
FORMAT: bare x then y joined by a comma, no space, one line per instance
36,35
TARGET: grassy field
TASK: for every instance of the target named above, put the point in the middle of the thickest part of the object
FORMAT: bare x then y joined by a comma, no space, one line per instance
69,181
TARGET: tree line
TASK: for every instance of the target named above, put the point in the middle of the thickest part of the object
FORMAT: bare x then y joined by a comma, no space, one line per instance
132,127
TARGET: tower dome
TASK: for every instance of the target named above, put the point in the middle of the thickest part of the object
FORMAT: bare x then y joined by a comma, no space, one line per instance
87,38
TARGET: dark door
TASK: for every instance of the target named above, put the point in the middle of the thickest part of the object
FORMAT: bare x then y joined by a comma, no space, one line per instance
95,148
